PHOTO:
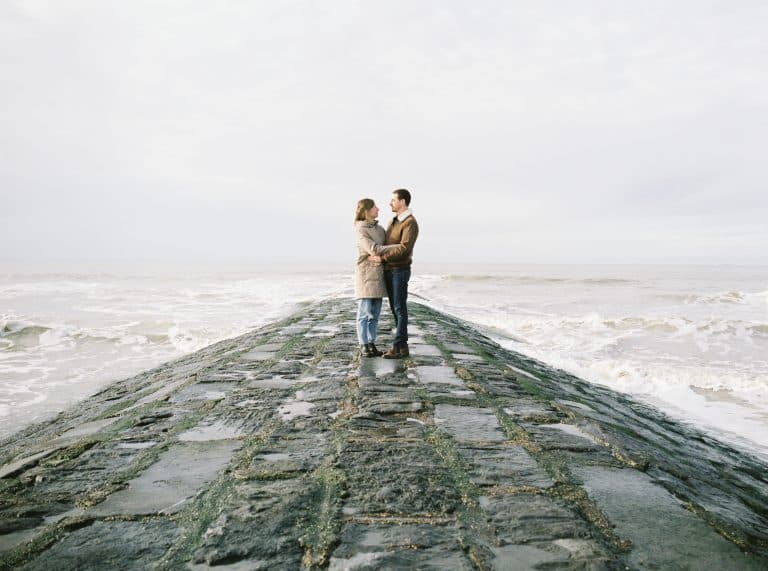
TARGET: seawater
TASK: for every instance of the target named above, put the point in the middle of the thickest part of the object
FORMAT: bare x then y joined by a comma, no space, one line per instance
692,340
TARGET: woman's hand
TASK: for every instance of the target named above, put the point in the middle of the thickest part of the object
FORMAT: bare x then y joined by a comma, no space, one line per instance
374,259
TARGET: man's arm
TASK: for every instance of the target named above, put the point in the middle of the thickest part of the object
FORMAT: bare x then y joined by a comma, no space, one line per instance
367,244
405,248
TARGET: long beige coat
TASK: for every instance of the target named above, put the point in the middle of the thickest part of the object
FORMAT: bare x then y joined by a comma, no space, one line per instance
369,277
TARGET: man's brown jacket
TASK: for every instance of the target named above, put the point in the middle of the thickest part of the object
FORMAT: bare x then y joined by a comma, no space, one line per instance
403,234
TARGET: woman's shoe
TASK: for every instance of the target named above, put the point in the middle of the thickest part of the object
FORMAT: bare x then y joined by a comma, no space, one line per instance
365,351
374,351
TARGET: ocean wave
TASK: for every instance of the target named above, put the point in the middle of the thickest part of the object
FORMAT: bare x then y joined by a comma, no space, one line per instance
505,279
18,329
533,280
721,297
636,373
17,334
25,335
759,330
661,325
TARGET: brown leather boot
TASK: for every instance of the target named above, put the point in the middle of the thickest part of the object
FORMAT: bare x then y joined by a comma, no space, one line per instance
404,352
392,353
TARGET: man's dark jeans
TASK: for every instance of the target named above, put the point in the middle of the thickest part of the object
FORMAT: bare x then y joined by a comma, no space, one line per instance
397,292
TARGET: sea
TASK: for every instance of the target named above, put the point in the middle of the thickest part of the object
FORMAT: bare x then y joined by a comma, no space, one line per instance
690,340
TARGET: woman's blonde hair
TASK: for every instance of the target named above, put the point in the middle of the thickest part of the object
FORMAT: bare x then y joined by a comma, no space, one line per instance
363,206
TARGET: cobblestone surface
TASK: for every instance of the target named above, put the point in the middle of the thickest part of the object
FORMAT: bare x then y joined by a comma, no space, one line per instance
284,449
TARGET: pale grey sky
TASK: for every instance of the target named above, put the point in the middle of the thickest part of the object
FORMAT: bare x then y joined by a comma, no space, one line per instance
246,131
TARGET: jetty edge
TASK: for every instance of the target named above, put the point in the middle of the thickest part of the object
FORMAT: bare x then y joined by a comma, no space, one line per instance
284,449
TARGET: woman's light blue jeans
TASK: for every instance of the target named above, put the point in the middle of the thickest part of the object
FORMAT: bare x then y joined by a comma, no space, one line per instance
368,311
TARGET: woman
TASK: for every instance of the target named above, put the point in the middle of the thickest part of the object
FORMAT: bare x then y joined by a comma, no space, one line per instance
369,276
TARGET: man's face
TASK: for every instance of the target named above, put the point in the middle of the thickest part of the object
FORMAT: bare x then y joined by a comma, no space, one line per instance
397,204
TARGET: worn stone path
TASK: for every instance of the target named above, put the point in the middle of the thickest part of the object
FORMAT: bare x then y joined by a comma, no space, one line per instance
283,449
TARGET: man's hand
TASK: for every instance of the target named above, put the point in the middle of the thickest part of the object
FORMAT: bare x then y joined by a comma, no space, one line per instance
374,259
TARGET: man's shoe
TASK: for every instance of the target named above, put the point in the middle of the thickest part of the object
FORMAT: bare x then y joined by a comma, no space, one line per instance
374,351
404,352
392,353
365,351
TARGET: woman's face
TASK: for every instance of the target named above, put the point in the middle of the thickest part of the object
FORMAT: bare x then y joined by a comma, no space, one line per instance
372,213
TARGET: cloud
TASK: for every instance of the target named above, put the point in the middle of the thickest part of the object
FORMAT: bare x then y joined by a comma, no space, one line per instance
527,131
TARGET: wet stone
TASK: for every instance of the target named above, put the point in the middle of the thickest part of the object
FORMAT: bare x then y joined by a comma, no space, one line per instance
399,547
534,413
531,518
21,524
559,554
268,347
506,390
664,535
270,381
390,405
12,539
203,392
386,383
155,429
235,376
153,418
507,466
522,372
109,545
25,462
388,395
323,331
319,391
397,478
258,356
469,424
160,392
213,430
292,330
294,408
458,348
438,375
288,369
258,527
466,358
379,367
169,483
373,424
83,473
85,429
461,394
424,350
137,445
561,437
569,404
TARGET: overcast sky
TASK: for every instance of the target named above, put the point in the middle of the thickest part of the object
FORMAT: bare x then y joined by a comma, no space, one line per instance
246,131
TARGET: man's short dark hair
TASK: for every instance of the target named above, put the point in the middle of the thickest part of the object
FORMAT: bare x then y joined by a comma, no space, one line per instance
403,194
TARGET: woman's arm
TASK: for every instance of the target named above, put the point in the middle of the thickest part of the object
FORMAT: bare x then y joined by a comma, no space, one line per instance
368,244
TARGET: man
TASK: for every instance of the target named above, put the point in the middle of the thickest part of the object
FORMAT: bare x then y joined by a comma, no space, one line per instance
402,232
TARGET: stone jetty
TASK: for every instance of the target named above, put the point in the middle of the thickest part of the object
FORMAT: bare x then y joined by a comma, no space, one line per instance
283,449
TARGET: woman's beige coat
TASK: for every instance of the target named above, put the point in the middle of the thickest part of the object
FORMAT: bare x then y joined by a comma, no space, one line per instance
369,277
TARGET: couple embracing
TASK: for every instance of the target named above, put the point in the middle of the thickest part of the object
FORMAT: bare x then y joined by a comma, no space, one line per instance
384,268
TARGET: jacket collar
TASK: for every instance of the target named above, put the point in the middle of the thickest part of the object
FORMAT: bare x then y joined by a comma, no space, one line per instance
404,215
